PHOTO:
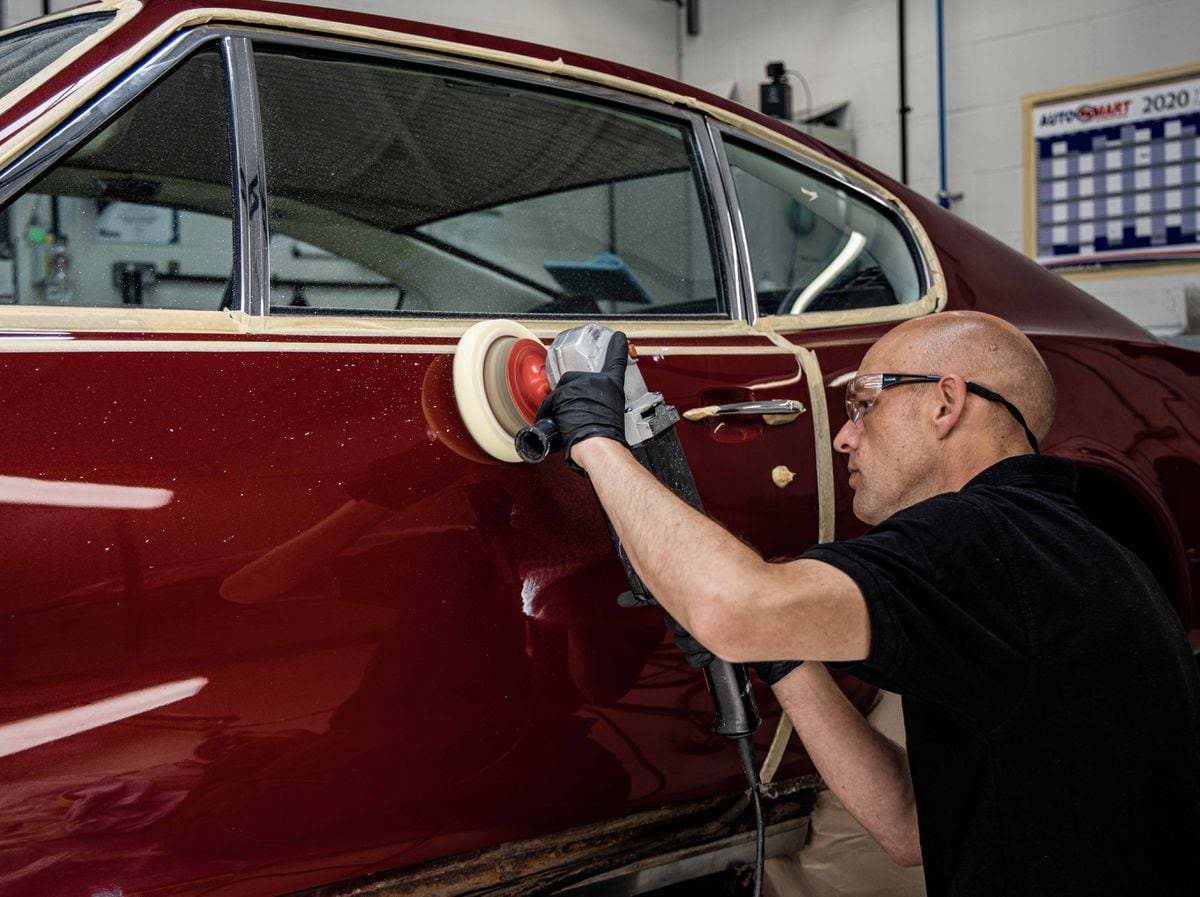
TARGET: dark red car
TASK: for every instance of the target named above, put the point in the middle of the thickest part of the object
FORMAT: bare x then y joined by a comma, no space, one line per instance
271,621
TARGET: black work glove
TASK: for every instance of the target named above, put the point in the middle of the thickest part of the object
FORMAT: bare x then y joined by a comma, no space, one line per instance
586,403
697,655
771,671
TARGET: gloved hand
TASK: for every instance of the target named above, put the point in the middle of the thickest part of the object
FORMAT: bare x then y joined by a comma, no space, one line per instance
697,655
586,404
771,671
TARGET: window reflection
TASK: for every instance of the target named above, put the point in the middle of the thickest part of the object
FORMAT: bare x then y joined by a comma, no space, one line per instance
815,246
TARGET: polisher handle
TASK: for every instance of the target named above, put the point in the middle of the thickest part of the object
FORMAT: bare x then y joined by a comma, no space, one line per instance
736,713
535,443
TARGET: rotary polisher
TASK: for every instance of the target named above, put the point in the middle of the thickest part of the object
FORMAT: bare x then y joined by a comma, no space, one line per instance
501,374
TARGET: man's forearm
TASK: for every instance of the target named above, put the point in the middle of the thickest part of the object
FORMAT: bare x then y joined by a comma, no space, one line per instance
866,770
683,557
722,591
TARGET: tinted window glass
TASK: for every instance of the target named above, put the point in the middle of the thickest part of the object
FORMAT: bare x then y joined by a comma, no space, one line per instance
393,187
27,52
815,246
141,213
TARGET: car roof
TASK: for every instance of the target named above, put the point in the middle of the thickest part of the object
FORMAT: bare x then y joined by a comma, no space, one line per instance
139,25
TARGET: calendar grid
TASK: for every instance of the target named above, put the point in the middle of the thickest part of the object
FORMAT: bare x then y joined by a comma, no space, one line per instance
1113,172
1089,208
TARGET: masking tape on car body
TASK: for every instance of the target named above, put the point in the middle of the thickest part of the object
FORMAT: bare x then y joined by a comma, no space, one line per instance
823,451
822,441
141,319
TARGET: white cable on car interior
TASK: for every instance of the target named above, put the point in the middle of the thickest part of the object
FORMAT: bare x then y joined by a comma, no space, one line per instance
855,243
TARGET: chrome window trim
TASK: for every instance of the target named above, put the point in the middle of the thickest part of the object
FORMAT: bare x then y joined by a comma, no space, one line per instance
251,234
709,183
890,209
251,237
53,147
715,187
740,254
123,93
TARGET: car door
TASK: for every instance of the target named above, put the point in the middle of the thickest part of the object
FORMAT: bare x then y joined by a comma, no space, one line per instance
474,192
835,262
271,615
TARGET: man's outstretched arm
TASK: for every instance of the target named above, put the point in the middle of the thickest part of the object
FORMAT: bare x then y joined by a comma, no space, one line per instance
735,603
865,769
743,608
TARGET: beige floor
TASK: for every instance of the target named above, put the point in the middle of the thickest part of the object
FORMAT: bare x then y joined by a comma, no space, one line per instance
841,859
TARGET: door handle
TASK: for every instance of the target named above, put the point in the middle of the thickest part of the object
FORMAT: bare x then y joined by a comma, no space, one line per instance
774,411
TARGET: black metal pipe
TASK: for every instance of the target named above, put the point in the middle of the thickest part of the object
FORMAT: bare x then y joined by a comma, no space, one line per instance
904,108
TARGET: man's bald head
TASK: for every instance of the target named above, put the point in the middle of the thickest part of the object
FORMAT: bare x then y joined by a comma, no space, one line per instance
926,437
979,347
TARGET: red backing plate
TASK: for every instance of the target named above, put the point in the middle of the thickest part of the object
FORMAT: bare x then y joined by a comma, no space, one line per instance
527,381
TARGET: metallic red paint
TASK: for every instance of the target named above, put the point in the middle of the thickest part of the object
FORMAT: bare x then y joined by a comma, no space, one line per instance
405,655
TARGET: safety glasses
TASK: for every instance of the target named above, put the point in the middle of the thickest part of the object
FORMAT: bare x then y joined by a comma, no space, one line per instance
864,390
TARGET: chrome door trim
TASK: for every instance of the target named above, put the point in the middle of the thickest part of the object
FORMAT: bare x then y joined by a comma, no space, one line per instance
745,270
249,248
716,188
888,207
52,148
251,233
710,190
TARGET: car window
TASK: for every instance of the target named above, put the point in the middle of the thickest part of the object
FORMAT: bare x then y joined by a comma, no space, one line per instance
815,245
25,53
393,187
141,213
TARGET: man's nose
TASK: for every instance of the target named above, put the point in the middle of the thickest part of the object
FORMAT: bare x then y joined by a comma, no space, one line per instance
846,440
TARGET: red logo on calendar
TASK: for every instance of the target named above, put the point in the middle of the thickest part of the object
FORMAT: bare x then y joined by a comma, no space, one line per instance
1088,112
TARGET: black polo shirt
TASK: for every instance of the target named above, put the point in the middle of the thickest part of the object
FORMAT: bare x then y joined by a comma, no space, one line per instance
1051,701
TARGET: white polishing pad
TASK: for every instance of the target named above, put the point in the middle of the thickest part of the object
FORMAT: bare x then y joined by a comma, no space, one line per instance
469,389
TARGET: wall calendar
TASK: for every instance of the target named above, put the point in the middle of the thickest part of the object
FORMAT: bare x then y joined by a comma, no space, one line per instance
1112,170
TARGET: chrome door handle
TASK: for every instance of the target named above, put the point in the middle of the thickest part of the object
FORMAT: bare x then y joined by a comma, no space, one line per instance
774,411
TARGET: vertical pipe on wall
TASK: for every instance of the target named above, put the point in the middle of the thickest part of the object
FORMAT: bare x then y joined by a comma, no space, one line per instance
680,25
943,196
904,108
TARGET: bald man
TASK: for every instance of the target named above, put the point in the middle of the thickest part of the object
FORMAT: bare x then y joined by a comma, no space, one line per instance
1051,701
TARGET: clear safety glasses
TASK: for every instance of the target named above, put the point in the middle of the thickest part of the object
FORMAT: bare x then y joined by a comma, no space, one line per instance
864,390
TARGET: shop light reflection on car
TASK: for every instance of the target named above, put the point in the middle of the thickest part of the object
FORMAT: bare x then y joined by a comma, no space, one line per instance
32,491
38,730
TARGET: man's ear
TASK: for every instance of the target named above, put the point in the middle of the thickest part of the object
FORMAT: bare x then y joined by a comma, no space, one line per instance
951,395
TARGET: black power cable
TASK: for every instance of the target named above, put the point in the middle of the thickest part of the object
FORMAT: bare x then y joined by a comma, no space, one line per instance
745,748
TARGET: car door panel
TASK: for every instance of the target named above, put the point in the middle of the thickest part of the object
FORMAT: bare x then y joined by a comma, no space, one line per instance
458,644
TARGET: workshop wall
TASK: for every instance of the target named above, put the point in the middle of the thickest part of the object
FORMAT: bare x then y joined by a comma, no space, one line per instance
994,54
636,32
